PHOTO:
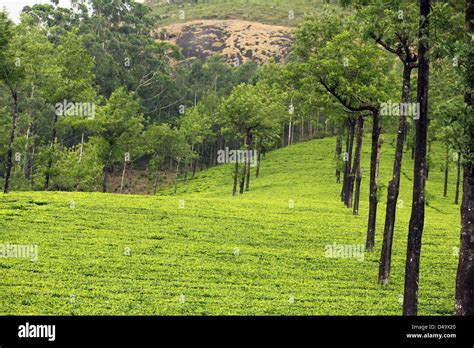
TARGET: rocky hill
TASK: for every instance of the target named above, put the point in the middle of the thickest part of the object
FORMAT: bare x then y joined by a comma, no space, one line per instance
237,40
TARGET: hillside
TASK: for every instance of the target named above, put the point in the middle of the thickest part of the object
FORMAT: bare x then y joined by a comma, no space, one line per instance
273,12
238,41
243,29
204,252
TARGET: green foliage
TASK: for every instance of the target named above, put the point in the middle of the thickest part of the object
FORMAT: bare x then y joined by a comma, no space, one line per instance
358,72
393,22
76,172
251,109
448,109
120,123
76,78
316,30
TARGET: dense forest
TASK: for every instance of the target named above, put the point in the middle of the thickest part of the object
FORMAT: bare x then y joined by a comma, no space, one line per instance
92,99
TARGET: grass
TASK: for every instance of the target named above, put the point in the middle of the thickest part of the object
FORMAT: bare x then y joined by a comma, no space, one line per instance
276,12
224,255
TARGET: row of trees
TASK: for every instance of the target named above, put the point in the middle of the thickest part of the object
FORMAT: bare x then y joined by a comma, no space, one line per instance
358,57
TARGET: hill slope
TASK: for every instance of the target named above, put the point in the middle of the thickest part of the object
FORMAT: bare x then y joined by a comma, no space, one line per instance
244,29
273,12
234,39
212,253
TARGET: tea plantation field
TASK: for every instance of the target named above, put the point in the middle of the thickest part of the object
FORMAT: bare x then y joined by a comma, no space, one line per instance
204,252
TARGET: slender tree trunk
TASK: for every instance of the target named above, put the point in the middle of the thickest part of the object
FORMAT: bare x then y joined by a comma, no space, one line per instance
355,165
105,169
32,163
217,146
104,179
186,167
357,191
123,175
465,276
302,130
259,155
130,177
211,151
407,132
155,182
10,144
347,169
346,156
244,173
250,145
78,185
25,165
202,157
29,132
394,186
236,175
193,164
289,133
374,159
410,303
176,177
317,123
446,172
458,179
247,181
81,149
356,171
51,153
348,194
242,179
338,154
428,161
194,168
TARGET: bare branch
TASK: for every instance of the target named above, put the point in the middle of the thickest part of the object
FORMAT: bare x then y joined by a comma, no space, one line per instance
345,103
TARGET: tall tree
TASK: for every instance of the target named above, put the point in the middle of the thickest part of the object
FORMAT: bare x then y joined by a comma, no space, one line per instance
357,77
392,26
26,65
410,303
251,111
350,130
10,75
356,175
73,83
118,121
465,276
